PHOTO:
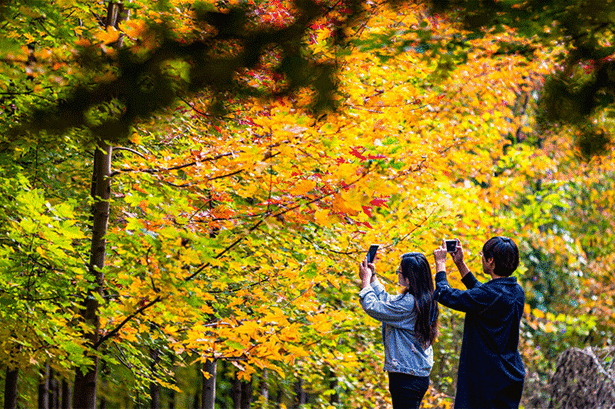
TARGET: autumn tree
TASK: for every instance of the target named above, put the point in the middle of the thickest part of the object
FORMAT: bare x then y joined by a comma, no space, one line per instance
239,207
578,91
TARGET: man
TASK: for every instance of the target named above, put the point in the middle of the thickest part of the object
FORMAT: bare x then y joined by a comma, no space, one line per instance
491,371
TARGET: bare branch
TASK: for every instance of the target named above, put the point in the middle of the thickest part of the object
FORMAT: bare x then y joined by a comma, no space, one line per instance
178,167
126,320
123,148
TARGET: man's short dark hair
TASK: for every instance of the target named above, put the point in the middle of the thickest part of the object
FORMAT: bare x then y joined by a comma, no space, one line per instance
504,253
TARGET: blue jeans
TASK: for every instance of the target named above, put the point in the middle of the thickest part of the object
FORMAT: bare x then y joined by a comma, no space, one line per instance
407,391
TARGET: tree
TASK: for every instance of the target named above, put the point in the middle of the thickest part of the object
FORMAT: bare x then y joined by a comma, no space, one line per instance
236,223
579,90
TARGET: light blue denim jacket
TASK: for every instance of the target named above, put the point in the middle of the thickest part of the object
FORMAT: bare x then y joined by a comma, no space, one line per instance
402,351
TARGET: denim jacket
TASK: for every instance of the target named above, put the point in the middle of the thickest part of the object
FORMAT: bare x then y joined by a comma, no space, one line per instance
402,351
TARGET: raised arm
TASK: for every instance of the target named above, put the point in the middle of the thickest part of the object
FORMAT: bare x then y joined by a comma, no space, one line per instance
475,300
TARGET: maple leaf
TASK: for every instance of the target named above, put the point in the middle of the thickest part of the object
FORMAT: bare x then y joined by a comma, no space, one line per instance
108,36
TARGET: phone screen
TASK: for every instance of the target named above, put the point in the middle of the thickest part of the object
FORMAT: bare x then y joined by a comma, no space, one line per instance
371,254
451,246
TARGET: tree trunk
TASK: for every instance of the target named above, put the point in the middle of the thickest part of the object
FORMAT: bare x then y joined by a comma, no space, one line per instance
171,399
10,389
265,387
208,400
300,393
66,395
236,392
335,398
86,383
279,397
154,387
246,394
43,390
54,392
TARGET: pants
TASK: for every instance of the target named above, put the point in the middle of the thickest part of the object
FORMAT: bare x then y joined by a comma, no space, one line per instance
407,391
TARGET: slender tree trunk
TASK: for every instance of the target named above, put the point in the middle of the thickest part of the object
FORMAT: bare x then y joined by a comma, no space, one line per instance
170,393
300,393
265,387
335,398
246,394
236,392
10,388
208,400
154,387
66,395
86,383
279,397
43,390
54,391
171,399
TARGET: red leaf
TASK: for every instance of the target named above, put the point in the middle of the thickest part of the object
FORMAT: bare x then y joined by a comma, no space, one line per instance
356,153
379,201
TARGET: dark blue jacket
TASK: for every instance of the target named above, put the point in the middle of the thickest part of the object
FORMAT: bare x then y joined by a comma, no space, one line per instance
491,371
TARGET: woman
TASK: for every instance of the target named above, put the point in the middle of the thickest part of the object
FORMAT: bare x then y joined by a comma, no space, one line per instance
409,326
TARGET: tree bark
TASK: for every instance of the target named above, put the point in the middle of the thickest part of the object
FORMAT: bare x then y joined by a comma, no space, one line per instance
236,392
154,387
171,399
246,394
10,388
43,390
66,395
335,398
54,392
300,393
265,387
208,400
86,383
279,397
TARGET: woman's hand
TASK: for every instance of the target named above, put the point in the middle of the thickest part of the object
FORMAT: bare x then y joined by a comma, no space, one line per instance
367,271
439,255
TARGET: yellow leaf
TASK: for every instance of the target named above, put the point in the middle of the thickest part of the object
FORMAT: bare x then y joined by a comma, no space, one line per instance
302,187
322,217
108,36
537,313
83,42
527,309
132,28
135,138
334,283
218,285
550,327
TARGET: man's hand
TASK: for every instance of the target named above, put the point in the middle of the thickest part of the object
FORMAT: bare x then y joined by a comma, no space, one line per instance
458,254
439,255
459,261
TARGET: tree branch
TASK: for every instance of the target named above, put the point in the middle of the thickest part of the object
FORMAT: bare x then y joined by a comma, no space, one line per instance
117,329
185,165
123,148
267,215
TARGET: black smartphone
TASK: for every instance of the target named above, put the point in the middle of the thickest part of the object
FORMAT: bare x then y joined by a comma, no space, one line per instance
451,246
371,253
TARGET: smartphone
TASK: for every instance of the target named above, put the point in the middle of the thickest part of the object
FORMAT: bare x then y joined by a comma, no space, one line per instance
451,246
371,253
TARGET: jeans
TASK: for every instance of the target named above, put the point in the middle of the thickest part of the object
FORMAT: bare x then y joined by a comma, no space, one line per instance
407,391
